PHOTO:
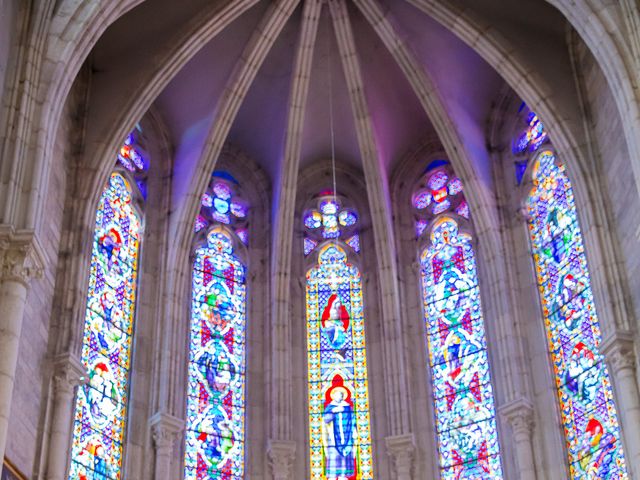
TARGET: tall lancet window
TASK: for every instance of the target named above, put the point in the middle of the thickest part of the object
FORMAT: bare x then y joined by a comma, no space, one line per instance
101,404
214,445
339,428
587,407
463,395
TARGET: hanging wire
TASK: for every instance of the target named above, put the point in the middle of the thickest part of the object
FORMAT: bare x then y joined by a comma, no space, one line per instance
331,126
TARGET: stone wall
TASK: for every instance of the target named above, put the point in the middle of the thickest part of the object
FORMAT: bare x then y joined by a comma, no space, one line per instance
614,169
33,371
8,35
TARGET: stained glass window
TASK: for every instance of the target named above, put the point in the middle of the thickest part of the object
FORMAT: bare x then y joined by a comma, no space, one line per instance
464,404
438,192
533,136
330,219
463,395
214,446
101,405
530,137
339,427
222,204
573,330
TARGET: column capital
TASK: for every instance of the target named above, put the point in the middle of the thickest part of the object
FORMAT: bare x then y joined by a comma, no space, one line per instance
21,257
619,351
282,454
165,429
68,372
519,414
401,449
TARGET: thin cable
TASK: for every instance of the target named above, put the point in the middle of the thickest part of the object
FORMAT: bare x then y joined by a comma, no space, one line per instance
333,136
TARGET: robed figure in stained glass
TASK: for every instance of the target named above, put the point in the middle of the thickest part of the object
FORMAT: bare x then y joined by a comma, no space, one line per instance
335,323
339,432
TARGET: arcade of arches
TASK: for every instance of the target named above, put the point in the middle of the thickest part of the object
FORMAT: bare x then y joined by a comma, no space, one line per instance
322,239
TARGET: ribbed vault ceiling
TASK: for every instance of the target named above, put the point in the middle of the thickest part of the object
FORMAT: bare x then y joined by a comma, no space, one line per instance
191,101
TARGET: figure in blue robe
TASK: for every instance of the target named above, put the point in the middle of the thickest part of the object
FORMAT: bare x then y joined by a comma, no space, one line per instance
339,435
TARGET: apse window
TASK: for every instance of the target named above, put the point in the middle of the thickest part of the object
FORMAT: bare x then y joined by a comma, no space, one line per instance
464,404
339,424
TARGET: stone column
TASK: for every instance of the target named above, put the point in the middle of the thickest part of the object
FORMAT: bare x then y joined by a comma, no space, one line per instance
401,449
519,415
19,263
68,372
619,353
282,454
165,429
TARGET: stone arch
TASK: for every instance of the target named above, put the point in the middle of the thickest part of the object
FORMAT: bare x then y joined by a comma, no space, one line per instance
54,51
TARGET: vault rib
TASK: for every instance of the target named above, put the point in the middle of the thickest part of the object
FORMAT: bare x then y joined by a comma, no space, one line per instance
379,203
285,197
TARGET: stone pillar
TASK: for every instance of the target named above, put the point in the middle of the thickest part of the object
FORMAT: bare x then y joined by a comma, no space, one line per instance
619,353
519,415
282,454
19,263
68,372
166,430
401,449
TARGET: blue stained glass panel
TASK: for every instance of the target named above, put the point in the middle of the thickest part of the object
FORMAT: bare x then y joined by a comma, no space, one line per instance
422,199
584,389
354,242
347,218
214,446
309,245
101,404
464,403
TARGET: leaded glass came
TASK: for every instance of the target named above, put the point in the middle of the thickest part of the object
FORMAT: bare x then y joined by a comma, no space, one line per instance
330,219
464,404
214,446
584,388
339,426
101,405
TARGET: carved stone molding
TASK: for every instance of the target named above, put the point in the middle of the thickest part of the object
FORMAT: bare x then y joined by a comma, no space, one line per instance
401,448
619,352
282,454
165,429
21,257
519,414
68,372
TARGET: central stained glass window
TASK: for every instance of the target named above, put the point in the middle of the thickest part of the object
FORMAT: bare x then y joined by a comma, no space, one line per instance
214,446
339,427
